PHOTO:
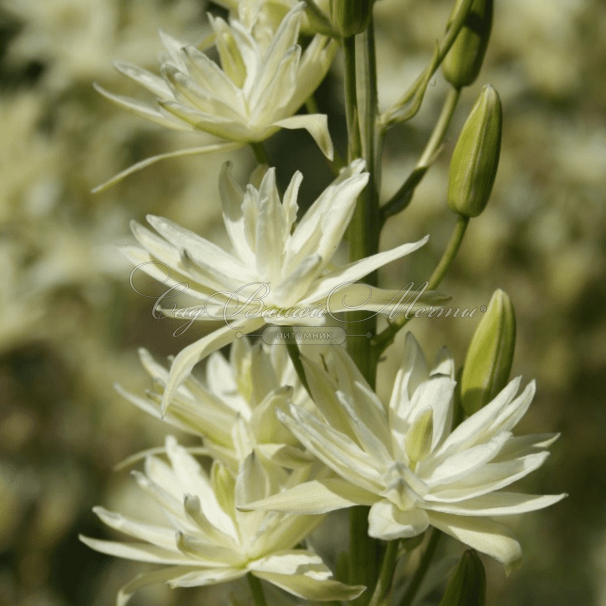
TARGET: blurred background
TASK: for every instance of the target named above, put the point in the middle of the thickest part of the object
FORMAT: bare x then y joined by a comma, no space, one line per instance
70,324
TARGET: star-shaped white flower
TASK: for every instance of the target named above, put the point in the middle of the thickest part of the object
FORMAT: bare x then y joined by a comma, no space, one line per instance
405,461
257,90
233,411
208,540
274,265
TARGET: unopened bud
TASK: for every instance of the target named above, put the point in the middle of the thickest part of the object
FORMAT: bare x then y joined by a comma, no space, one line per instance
464,60
475,160
468,585
350,17
490,354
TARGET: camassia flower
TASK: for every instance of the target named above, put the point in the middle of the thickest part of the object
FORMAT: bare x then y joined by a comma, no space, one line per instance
276,273
234,410
405,461
257,90
209,541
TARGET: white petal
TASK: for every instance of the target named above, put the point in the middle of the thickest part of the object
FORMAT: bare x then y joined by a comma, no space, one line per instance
297,284
142,552
488,478
358,269
203,252
158,535
270,231
311,589
472,430
150,578
210,576
338,200
232,196
191,355
315,497
463,464
212,78
337,450
483,534
143,110
498,504
192,151
387,522
437,392
151,82
370,430
292,561
316,125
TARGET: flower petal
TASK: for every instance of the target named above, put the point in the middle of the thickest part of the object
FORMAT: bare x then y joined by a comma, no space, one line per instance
150,578
315,497
388,522
316,125
311,589
498,504
483,534
192,151
191,355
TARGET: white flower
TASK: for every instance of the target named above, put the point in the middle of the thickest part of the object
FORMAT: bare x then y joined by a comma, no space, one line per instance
406,462
272,266
234,411
208,540
265,13
256,92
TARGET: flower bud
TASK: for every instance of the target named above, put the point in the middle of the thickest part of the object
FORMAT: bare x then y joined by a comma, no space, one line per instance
464,60
490,354
350,17
475,159
468,585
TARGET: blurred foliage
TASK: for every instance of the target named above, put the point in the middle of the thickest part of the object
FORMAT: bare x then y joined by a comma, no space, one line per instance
71,323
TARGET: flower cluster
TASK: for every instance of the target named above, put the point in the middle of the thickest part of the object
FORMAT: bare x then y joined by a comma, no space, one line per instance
294,432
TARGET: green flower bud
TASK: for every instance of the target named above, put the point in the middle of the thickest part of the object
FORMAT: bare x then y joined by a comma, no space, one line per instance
468,585
350,17
475,159
490,355
464,60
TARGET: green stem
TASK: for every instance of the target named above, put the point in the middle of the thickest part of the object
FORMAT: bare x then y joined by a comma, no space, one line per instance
364,229
421,571
384,339
364,552
450,253
259,151
256,589
439,131
295,356
388,567
395,113
351,99
404,195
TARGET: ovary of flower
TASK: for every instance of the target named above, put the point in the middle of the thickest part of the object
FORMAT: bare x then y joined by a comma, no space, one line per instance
293,263
405,461
234,410
209,540
256,91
